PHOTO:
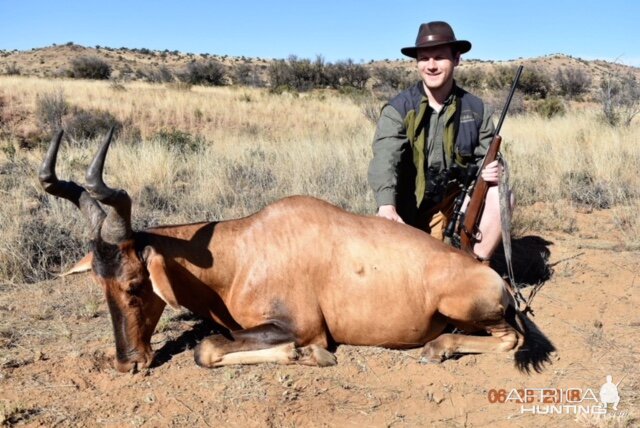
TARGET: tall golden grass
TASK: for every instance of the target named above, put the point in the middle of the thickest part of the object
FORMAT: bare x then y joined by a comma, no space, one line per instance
255,147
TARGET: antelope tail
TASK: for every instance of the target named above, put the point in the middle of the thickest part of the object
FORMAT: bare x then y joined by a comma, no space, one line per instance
536,350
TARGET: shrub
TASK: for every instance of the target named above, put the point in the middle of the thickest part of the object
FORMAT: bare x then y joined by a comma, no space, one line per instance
550,107
501,77
12,69
394,78
620,98
161,74
47,246
582,188
346,73
572,82
247,75
87,67
494,102
41,239
298,74
534,82
50,110
209,73
473,78
279,74
89,124
303,74
182,141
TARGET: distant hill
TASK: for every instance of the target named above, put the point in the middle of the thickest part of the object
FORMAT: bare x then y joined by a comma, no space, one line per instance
141,64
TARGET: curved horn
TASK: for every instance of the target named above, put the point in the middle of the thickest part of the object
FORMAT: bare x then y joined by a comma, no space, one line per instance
117,226
68,189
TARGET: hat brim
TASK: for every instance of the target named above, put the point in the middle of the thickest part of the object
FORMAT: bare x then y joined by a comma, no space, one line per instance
462,46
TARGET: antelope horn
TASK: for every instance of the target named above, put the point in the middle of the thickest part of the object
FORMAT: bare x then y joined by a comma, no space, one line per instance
117,226
68,189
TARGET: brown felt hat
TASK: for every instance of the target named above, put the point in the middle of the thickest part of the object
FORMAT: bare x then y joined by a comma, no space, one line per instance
436,33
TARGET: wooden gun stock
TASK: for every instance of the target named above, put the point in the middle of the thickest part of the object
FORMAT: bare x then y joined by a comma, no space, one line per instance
469,228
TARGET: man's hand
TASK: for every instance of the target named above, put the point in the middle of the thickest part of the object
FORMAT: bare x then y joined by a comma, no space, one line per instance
389,212
491,173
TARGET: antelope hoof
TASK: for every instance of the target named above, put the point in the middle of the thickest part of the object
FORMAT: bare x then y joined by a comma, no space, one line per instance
316,356
206,353
430,356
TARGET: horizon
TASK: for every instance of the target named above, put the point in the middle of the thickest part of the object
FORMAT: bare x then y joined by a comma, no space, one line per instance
335,30
212,54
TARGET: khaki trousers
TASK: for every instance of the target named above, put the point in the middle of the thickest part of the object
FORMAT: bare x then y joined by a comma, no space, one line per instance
436,219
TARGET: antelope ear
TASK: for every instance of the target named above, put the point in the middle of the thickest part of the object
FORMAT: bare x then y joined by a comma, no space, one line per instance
157,268
83,265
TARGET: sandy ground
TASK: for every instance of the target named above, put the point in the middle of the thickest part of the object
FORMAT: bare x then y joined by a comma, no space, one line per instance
56,346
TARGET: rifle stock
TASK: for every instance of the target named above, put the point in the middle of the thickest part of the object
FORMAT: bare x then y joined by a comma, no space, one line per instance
469,227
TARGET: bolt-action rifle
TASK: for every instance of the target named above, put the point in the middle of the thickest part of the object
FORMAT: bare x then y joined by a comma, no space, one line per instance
462,230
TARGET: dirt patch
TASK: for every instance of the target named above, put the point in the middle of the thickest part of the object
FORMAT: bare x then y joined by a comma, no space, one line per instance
56,348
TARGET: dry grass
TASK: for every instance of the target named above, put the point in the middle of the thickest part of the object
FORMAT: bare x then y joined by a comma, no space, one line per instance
574,162
250,147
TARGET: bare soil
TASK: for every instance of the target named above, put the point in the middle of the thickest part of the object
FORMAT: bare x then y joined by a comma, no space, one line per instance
56,347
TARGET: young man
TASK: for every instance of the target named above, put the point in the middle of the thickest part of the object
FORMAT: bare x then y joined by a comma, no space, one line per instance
423,132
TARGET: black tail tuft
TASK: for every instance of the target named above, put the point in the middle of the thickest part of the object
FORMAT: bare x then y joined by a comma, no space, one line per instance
536,350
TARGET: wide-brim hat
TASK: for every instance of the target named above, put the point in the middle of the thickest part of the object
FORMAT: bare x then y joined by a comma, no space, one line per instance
436,33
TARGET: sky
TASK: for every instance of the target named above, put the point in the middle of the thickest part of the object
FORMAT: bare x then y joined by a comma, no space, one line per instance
336,29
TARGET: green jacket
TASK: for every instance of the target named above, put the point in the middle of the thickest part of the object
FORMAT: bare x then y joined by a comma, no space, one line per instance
410,137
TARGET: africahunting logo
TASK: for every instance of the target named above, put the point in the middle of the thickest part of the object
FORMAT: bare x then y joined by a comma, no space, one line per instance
562,401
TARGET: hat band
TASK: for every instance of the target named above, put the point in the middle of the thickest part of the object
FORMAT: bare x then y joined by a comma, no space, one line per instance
434,38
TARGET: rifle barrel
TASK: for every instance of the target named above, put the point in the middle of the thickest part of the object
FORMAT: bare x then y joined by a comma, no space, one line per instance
503,114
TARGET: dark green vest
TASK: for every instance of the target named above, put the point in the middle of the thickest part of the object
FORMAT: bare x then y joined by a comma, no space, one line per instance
462,126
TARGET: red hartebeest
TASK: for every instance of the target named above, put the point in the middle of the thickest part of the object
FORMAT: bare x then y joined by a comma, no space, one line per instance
291,280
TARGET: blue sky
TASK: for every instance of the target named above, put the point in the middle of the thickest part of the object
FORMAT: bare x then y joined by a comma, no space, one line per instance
360,30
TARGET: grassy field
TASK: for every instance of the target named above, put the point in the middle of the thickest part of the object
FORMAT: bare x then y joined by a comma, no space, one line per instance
224,152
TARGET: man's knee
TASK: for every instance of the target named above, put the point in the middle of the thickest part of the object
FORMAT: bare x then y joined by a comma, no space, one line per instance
492,200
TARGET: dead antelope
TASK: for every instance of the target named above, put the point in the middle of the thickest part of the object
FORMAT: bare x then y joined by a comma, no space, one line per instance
292,280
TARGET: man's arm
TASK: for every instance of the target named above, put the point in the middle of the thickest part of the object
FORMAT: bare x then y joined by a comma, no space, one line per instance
387,146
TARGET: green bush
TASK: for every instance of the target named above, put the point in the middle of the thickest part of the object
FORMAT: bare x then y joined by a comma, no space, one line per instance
572,82
394,78
87,67
534,82
297,74
346,74
620,98
209,73
473,78
303,74
161,74
90,124
494,101
247,75
182,141
50,110
550,107
501,77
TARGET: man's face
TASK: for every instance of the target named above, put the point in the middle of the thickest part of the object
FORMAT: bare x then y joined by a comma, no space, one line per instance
436,65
